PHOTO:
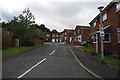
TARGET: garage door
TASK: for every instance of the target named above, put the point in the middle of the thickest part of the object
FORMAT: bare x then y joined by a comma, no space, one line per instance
53,40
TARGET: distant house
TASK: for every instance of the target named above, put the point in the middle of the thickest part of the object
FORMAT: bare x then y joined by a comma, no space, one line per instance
47,38
67,35
111,26
81,35
53,37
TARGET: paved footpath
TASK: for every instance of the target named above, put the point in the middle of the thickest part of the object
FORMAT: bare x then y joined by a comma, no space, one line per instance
95,65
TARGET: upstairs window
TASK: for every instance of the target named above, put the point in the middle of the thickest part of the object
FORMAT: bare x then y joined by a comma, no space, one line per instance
118,7
118,35
65,33
94,24
78,31
74,33
104,16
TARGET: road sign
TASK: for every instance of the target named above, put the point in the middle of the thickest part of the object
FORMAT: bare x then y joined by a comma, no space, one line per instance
100,26
102,34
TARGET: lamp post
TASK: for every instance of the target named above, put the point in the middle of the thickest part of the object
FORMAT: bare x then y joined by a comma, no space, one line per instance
101,33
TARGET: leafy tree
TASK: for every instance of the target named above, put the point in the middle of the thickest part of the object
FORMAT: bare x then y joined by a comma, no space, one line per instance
43,28
4,25
54,31
4,38
17,29
26,18
20,26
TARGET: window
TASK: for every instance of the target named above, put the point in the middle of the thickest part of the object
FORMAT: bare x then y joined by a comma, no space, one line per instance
66,33
118,35
78,31
74,33
117,7
107,38
65,38
48,35
94,24
104,16
94,38
79,38
56,35
60,35
53,35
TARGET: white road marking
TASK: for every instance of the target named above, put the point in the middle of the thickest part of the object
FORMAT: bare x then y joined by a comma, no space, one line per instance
84,66
52,52
31,68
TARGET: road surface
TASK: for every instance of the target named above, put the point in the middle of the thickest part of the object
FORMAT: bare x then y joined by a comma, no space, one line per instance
53,61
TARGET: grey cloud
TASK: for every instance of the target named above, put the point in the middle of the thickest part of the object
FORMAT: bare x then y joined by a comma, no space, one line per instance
60,15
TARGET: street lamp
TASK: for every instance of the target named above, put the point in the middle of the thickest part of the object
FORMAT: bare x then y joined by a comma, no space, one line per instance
101,33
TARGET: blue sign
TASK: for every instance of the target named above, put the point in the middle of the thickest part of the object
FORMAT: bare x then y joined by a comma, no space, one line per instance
102,34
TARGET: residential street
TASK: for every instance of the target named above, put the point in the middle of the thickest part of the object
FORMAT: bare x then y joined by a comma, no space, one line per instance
53,61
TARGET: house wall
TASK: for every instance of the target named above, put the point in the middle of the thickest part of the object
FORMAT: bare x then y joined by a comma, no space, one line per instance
114,19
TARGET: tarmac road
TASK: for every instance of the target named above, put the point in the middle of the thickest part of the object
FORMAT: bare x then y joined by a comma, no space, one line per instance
53,61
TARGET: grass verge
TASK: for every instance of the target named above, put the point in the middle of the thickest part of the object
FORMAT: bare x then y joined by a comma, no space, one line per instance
110,59
14,50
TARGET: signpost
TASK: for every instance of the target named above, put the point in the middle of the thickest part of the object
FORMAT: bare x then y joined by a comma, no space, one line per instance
101,33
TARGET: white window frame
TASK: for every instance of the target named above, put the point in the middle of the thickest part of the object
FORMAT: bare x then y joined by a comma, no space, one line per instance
109,38
118,30
104,17
96,38
79,37
118,7
94,24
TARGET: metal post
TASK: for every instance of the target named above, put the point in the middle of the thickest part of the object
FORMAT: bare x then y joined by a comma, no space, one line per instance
102,49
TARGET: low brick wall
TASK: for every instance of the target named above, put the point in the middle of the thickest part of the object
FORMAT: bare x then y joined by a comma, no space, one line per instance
10,43
75,43
39,42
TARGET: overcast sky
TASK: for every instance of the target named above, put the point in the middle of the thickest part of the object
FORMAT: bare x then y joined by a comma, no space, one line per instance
55,14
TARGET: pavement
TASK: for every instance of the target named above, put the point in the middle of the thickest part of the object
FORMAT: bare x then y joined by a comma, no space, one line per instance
50,61
94,65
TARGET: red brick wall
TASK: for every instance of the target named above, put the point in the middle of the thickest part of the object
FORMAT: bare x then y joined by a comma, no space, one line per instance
75,43
85,34
114,19
39,41
10,43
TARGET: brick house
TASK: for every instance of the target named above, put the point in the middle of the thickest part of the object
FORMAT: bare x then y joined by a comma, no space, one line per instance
81,35
111,26
60,37
67,35
47,38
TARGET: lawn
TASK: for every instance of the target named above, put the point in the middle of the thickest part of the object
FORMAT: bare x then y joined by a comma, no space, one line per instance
14,50
110,59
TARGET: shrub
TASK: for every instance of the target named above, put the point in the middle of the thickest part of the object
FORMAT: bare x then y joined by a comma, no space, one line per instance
28,43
